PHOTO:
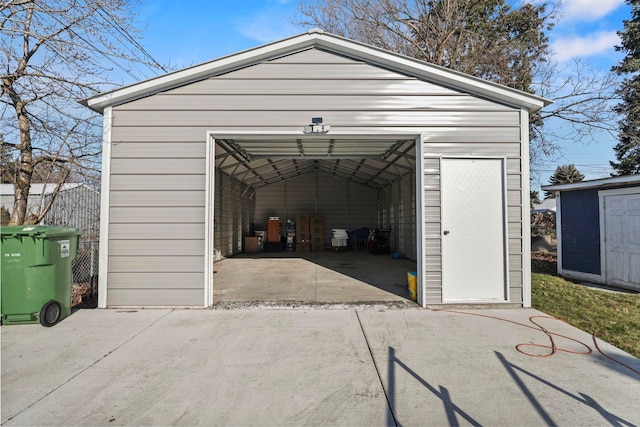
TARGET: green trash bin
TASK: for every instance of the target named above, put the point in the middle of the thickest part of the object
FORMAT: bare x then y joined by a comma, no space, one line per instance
36,273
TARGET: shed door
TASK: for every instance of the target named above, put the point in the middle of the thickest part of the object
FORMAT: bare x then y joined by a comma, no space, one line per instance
473,230
622,240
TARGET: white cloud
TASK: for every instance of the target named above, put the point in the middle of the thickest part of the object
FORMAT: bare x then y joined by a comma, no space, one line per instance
585,46
588,10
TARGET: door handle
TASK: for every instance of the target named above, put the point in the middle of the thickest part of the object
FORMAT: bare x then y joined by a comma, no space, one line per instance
446,232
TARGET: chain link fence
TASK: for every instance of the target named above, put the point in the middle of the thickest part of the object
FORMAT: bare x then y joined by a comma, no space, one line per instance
78,206
85,273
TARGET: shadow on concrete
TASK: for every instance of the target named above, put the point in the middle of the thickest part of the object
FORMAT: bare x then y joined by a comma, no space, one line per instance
623,364
378,271
585,399
452,410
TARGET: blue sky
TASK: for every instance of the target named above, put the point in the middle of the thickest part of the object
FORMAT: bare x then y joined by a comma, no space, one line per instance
187,33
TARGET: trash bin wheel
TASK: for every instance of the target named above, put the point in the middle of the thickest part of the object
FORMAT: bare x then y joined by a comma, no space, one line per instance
50,314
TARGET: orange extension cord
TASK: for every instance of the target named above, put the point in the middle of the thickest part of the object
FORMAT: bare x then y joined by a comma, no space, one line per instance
552,347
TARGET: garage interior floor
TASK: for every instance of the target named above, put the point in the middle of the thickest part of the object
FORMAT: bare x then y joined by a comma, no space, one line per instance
315,277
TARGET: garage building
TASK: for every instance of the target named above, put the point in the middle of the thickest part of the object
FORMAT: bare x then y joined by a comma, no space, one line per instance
196,160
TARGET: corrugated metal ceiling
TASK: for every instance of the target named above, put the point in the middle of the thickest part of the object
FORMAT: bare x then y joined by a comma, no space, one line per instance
371,162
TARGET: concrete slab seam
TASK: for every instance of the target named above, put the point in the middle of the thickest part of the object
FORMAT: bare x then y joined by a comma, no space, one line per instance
316,271
87,367
375,365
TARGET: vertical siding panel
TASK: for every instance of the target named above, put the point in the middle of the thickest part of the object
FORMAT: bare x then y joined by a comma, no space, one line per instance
413,213
217,212
407,228
237,217
362,206
341,203
301,195
399,214
233,213
225,216
332,204
269,202
396,212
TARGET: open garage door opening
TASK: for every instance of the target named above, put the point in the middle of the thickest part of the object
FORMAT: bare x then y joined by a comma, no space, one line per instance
312,218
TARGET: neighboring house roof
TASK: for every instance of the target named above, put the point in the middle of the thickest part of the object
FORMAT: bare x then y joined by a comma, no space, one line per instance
38,189
37,194
545,205
76,205
329,42
626,180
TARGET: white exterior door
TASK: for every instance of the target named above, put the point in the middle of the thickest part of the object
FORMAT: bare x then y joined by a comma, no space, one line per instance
622,240
473,230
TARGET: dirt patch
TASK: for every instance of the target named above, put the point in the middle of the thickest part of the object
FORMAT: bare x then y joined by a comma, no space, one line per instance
84,295
544,262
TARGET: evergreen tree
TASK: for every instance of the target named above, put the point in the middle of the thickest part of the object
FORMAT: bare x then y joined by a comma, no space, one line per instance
564,174
534,198
628,148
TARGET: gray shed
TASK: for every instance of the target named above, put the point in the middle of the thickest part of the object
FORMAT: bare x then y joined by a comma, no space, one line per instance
598,230
195,159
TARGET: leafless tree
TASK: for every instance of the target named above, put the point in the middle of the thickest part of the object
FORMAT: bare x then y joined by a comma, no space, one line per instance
582,110
504,41
54,53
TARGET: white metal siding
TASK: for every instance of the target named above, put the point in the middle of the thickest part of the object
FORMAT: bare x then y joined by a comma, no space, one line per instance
156,227
158,163
432,210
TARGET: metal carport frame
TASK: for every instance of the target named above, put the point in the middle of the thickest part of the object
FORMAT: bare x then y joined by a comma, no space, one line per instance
238,134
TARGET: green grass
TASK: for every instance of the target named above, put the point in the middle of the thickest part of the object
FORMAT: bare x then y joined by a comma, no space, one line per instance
613,317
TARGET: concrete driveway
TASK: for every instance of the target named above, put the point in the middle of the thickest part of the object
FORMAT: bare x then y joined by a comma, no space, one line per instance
344,365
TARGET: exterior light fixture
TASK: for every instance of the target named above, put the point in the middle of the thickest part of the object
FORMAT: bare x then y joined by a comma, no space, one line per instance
316,126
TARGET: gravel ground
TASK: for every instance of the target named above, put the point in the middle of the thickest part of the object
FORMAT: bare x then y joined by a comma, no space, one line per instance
300,305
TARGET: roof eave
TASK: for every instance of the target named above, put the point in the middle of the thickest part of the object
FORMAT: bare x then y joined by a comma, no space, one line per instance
317,38
194,73
595,183
436,73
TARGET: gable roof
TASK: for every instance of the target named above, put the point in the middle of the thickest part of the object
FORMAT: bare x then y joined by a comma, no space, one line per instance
329,42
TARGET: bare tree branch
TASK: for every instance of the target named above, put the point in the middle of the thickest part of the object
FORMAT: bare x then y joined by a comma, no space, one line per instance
52,54
504,41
